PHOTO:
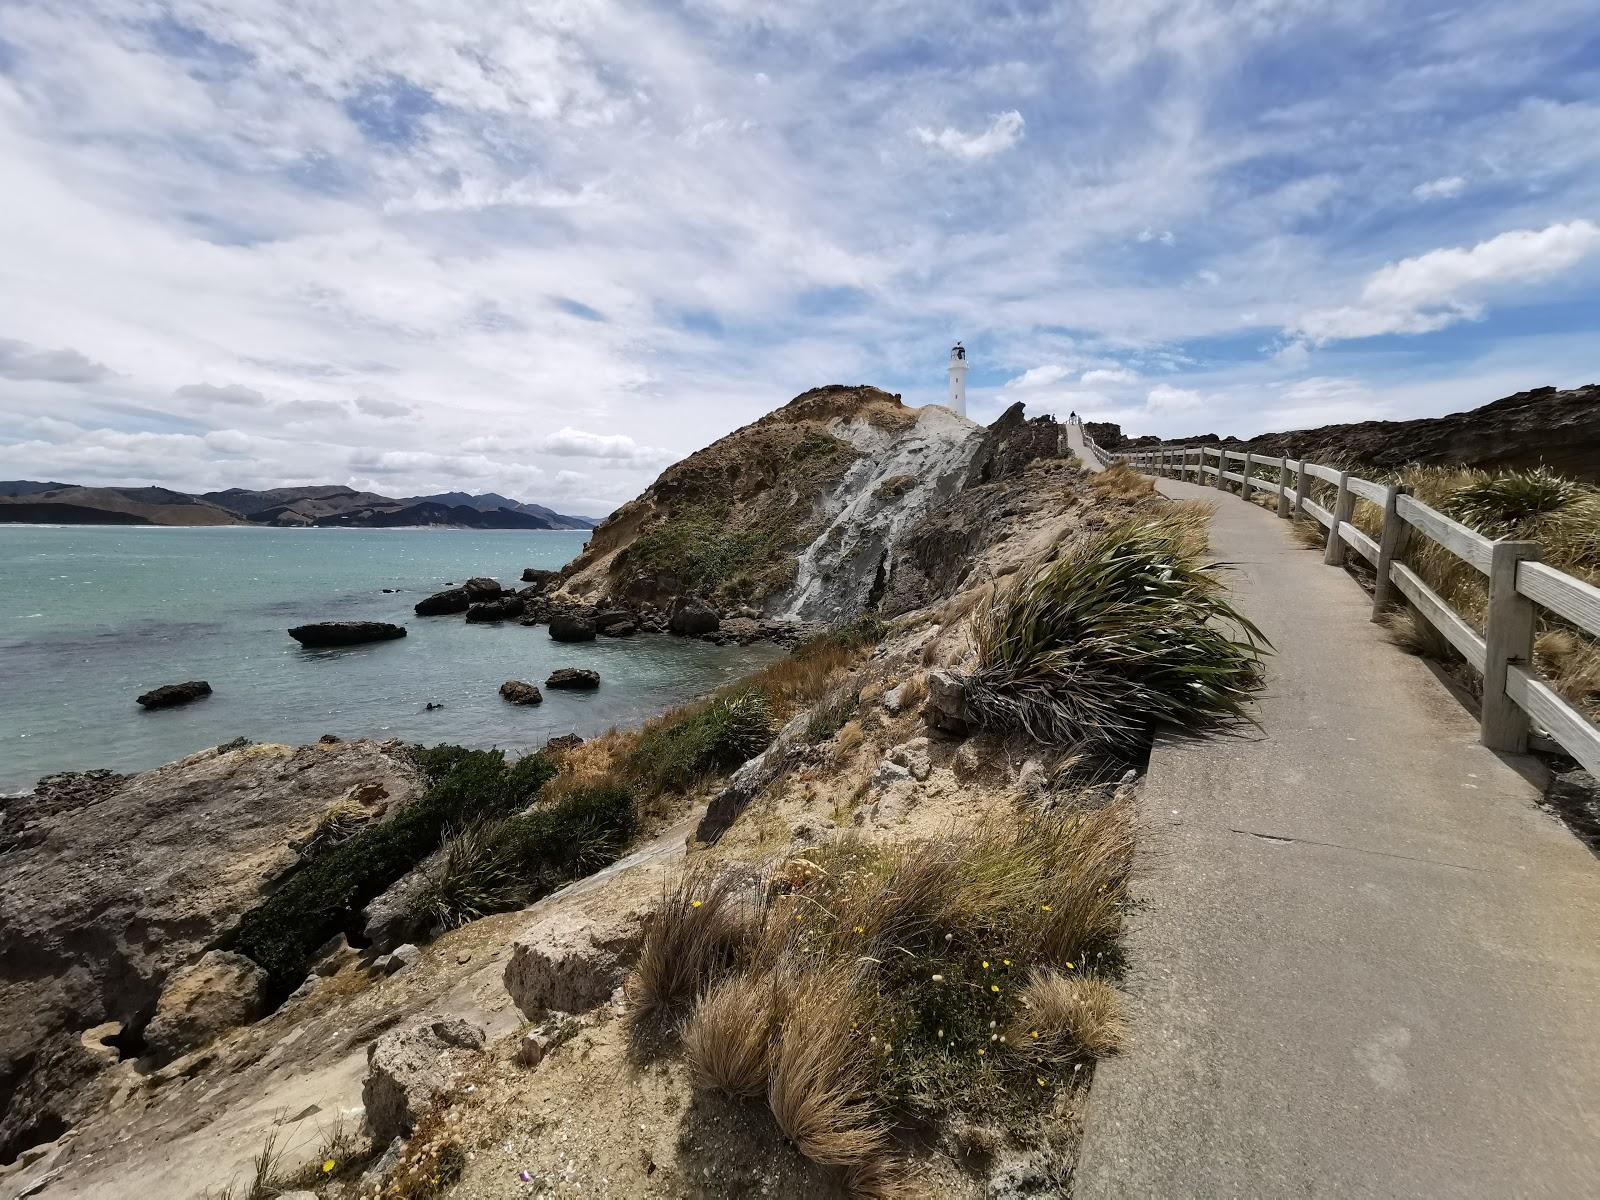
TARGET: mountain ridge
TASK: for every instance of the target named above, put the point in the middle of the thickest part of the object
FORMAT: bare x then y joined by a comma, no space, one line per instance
310,506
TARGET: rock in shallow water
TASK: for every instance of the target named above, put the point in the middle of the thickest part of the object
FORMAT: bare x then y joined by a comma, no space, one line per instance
575,678
515,691
692,618
451,600
345,633
505,608
169,694
566,627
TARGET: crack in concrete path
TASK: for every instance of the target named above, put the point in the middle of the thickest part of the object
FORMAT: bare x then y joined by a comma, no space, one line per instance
1283,840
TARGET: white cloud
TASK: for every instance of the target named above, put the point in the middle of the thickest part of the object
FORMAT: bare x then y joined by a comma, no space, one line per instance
1041,376
1004,132
1164,398
1440,189
374,407
578,443
1433,290
1109,375
18,360
1165,236
229,393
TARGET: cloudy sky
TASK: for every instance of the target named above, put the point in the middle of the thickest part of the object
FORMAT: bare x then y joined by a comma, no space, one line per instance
546,247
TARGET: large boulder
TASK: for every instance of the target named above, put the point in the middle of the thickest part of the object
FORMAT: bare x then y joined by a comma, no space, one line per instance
693,618
506,608
407,1070
571,627
345,633
946,709
570,961
539,579
451,600
515,691
574,678
169,694
220,991
481,587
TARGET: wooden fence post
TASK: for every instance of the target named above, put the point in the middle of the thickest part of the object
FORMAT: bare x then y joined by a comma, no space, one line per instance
1283,485
1302,484
1183,471
1388,547
1222,465
1249,461
1333,555
1508,638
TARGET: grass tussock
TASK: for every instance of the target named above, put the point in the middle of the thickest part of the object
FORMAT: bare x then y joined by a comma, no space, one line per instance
1122,482
1127,629
728,1038
1066,1018
879,984
702,927
1416,635
684,748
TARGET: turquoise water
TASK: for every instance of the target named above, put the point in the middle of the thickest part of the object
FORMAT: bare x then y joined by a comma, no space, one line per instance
90,617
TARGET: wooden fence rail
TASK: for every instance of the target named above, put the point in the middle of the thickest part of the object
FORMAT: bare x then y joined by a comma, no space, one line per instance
1514,696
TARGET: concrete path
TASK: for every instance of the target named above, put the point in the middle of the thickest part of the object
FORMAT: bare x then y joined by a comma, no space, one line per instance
1364,964
1077,445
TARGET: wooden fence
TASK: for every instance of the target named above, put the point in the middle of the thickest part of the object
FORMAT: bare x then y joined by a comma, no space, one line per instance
1518,583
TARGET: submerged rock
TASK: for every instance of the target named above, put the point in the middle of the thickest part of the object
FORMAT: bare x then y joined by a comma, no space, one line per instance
345,633
451,600
169,694
515,691
574,678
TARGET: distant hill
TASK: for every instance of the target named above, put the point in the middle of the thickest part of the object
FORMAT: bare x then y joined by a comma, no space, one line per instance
321,506
1558,429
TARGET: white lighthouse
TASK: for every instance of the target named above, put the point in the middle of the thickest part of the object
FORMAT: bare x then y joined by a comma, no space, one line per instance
958,379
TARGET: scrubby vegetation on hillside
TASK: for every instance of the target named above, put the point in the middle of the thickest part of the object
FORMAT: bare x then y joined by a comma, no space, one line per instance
868,986
325,895
1128,629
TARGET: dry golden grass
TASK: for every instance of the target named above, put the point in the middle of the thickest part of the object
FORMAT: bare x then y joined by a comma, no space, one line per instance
1067,1016
728,1038
1121,481
821,1070
1308,533
849,737
700,928
800,679
1572,665
1415,635
595,762
913,691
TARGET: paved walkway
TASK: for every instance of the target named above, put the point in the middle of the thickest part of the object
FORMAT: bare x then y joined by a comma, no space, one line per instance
1365,964
1076,443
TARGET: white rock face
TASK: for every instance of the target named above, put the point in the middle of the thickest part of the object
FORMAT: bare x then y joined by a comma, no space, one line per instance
408,1068
899,478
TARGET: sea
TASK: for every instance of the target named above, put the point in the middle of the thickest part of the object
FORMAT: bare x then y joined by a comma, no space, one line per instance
92,616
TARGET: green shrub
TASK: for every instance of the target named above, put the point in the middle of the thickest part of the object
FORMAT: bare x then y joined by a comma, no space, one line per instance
722,735
698,550
325,897
507,863
1127,630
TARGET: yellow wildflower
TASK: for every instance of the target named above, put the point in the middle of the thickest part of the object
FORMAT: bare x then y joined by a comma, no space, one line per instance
327,1166
694,904
1046,907
994,987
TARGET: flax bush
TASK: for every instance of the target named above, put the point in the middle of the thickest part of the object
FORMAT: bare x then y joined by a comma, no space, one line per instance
1126,630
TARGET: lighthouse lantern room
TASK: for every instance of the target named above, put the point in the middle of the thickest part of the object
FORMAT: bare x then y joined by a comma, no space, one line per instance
958,379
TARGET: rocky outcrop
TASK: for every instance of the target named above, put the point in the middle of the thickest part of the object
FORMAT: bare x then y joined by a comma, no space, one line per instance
216,993
114,884
1544,427
169,694
409,1069
451,600
515,691
692,618
345,633
481,587
539,579
946,709
506,608
573,678
570,962
616,622
571,627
